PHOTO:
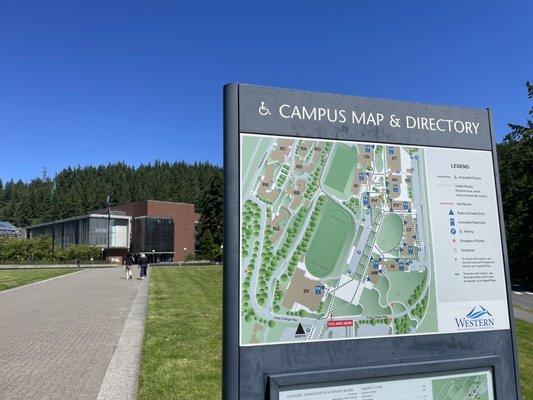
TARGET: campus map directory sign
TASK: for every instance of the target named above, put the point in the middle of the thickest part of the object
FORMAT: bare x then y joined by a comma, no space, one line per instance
359,219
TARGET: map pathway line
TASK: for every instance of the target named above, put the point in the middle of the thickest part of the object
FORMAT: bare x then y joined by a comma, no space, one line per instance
58,337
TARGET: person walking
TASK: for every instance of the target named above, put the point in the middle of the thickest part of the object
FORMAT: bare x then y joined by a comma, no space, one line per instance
127,266
143,264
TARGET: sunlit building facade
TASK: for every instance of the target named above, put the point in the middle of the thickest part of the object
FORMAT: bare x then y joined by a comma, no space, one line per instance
164,231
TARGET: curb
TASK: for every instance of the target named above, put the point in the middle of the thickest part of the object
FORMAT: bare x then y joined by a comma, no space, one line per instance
54,266
43,281
122,376
523,313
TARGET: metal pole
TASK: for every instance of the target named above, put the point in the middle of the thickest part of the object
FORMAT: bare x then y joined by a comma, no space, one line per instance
108,203
108,228
53,236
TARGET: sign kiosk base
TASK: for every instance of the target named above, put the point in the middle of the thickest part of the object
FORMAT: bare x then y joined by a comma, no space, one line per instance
406,381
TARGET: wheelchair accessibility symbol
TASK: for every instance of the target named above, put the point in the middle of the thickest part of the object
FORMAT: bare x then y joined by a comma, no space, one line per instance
263,110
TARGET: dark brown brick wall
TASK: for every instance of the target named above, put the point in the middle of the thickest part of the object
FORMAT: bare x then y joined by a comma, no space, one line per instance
182,214
138,209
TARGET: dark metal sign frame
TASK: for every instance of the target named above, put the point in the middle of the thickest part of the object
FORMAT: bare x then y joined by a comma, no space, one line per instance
259,372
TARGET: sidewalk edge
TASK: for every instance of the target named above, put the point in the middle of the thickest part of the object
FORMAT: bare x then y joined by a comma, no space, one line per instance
43,281
121,380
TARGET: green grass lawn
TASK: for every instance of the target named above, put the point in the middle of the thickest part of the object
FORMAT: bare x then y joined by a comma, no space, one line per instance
524,332
11,278
181,357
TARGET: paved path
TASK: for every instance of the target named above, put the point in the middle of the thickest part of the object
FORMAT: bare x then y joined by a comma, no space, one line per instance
121,380
57,337
523,305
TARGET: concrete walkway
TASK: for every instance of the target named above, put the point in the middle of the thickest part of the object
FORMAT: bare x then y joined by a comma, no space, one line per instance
121,380
523,305
57,338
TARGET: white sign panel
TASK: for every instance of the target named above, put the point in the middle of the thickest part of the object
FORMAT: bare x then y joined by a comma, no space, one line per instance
474,385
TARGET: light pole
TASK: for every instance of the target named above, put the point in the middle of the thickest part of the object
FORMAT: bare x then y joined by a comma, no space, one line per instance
108,203
53,236
108,228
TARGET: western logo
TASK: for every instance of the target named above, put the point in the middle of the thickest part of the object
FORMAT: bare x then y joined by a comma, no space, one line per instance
478,318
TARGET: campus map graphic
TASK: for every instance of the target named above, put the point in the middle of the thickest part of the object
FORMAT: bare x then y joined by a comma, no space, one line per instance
473,387
334,241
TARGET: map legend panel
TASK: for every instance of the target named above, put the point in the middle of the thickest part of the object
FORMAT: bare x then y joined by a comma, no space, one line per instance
471,291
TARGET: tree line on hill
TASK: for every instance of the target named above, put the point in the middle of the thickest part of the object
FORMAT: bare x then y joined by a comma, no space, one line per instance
80,190
515,159
76,191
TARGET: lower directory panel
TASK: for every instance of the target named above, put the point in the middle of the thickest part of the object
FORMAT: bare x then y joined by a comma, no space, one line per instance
473,384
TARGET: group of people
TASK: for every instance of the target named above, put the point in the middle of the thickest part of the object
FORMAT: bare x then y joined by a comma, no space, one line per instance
129,261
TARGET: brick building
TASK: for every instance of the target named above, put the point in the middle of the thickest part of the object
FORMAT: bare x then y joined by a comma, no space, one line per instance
144,215
163,230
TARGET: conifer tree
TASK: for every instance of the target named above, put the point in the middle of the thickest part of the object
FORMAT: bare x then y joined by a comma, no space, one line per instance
212,210
207,247
80,190
515,158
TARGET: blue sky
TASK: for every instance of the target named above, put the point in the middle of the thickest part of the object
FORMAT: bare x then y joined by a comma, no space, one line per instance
102,81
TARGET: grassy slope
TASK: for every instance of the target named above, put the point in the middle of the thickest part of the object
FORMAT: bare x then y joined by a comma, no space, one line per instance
181,356
182,347
524,332
13,278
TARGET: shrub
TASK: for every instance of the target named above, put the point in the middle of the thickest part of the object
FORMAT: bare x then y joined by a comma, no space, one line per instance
39,249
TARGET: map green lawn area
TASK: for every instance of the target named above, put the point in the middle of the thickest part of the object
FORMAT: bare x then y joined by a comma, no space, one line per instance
181,355
370,303
379,158
403,285
183,337
341,167
331,239
390,233
11,278
342,308
382,286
